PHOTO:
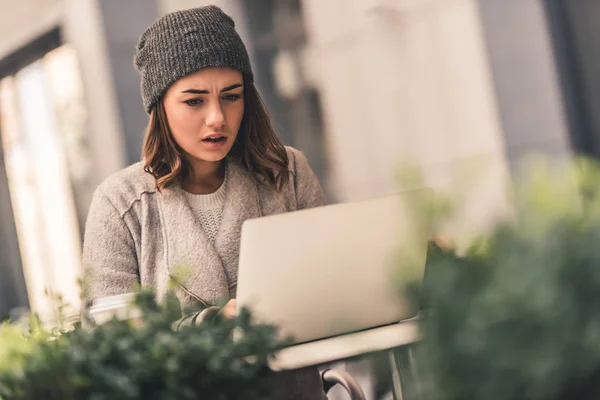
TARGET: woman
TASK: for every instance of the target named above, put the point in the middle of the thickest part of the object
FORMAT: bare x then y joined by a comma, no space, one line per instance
210,161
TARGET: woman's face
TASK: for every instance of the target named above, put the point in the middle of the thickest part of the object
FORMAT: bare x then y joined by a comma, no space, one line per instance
205,110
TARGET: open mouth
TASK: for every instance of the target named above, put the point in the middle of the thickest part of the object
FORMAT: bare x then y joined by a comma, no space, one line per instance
215,139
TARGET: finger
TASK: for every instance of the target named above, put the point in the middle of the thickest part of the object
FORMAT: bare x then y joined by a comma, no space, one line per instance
229,312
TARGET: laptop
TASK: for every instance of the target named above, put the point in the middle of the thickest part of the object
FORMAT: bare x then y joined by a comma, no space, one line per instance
333,270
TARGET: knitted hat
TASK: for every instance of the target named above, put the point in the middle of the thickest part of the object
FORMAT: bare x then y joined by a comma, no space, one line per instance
183,42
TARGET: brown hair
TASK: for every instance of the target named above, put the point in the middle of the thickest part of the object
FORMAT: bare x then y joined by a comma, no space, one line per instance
257,146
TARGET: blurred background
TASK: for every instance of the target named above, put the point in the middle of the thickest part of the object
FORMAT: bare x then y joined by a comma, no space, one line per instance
361,86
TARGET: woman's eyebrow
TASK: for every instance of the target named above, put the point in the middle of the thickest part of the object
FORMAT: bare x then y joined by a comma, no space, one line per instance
231,87
225,89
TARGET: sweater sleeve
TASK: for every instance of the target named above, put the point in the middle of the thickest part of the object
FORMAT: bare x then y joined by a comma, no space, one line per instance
109,256
308,190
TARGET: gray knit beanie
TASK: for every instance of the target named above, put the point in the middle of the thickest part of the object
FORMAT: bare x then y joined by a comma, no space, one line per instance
183,42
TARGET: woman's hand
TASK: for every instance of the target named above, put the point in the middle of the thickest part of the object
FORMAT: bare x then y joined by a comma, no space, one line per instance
230,309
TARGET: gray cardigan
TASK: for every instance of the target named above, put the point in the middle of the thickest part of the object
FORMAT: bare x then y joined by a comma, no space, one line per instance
137,235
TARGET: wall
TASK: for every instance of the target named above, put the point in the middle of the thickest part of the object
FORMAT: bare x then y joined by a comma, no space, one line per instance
23,21
124,23
526,81
84,29
408,82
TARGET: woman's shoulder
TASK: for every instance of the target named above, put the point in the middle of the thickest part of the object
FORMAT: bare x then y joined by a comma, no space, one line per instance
306,186
127,185
296,159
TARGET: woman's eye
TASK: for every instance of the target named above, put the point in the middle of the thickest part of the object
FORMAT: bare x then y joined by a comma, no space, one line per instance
231,97
193,102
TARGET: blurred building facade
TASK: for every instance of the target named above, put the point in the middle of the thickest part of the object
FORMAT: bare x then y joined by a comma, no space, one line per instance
360,86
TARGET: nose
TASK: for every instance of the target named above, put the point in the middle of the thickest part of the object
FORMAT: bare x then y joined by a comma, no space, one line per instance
215,117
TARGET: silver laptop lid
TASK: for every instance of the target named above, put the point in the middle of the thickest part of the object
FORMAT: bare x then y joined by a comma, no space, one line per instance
331,270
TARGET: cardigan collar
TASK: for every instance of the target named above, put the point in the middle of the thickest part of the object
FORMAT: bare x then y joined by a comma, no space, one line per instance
208,272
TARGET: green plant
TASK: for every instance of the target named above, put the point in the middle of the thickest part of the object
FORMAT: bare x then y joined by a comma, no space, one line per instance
518,315
150,360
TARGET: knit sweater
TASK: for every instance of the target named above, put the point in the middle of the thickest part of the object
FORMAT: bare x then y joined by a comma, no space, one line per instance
208,208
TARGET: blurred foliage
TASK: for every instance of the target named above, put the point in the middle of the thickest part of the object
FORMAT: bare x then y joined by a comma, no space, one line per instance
518,315
144,360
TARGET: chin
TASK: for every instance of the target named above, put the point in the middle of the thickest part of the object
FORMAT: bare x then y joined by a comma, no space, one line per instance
212,156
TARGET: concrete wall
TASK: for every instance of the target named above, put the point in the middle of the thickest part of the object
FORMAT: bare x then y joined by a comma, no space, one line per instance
407,82
527,86
84,29
23,21
124,22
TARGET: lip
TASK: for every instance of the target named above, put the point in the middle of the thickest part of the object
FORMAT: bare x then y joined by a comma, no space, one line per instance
215,135
215,145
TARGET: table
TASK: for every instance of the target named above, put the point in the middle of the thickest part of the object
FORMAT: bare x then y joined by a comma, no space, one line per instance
377,339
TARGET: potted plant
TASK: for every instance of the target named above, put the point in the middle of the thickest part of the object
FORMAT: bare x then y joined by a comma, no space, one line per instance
147,360
517,316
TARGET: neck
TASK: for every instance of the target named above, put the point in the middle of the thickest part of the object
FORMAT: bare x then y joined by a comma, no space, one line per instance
205,177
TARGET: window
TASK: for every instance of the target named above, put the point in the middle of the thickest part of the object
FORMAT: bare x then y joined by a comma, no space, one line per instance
41,121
